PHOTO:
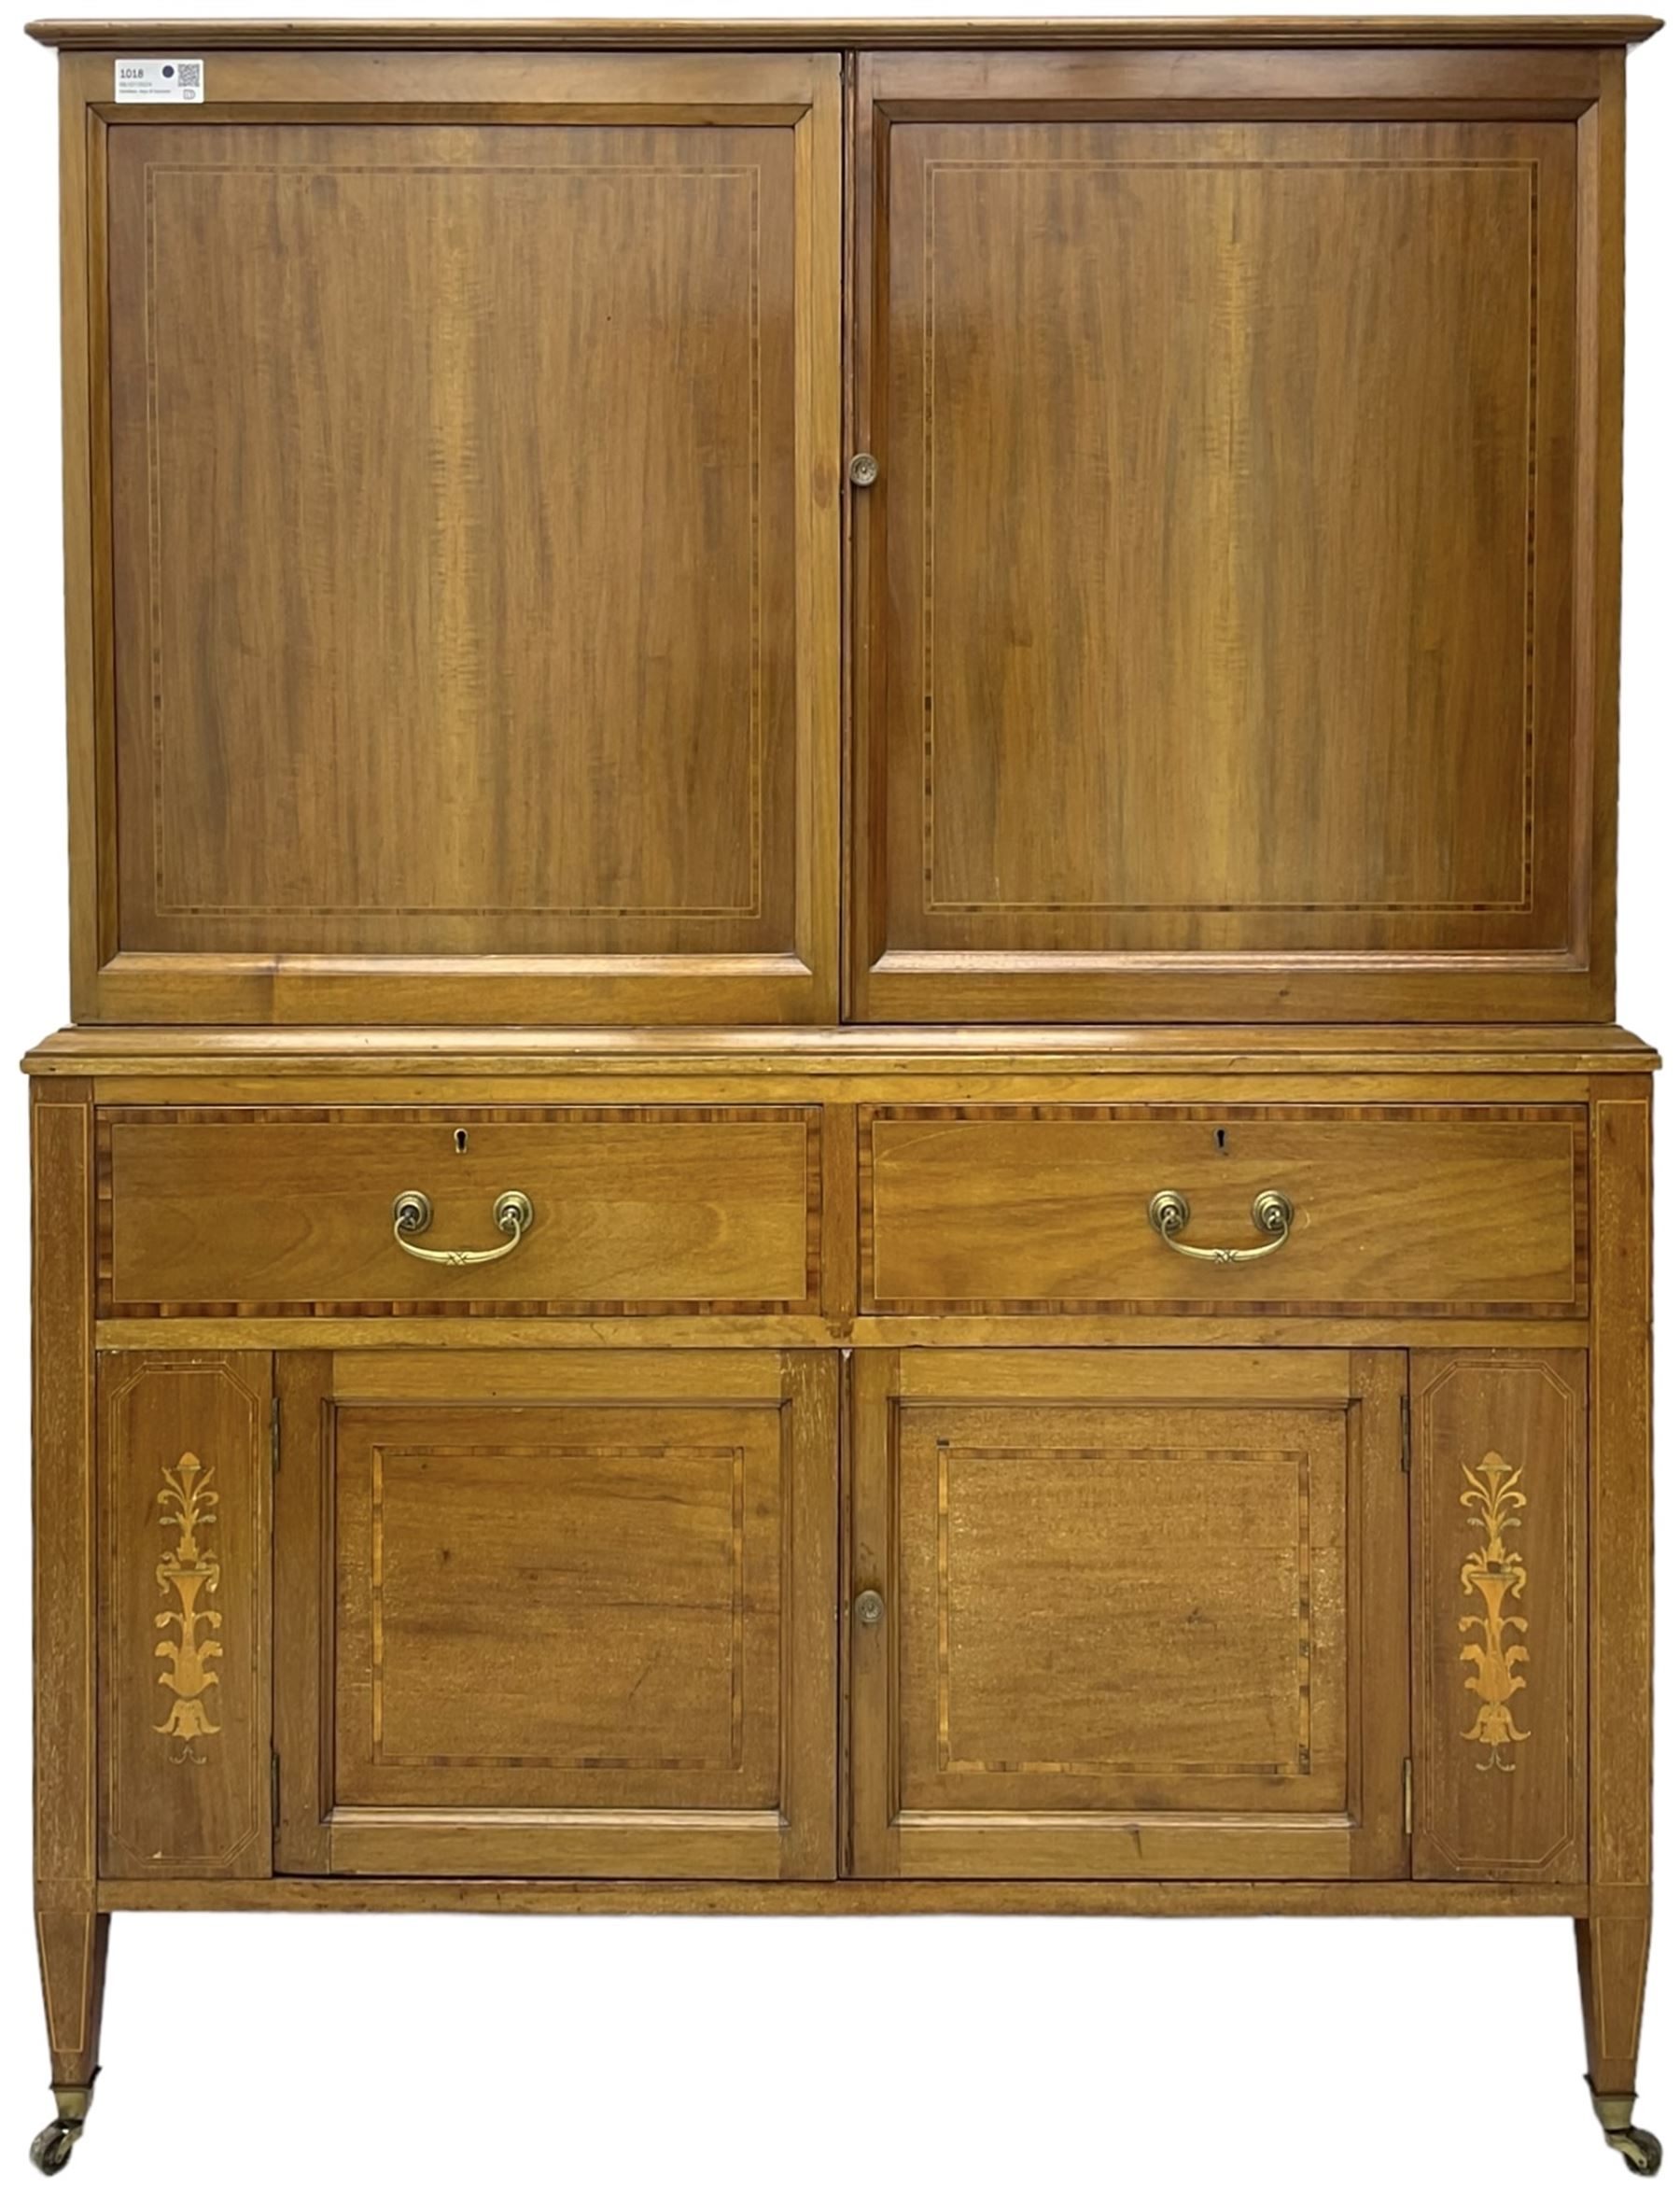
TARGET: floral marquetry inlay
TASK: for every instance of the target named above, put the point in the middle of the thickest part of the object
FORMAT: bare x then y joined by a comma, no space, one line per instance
188,1573
1494,1571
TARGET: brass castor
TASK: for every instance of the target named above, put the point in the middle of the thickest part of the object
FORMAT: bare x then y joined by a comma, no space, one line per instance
50,2152
1639,2152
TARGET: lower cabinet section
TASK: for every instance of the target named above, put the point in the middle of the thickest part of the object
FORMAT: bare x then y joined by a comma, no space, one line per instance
1141,1613
1180,1614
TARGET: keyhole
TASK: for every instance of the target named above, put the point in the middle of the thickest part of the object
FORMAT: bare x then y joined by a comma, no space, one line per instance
1219,1139
461,1140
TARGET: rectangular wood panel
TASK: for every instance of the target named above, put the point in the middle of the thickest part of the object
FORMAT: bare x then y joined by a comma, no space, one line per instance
635,1210
1428,1209
1499,1642
565,1614
543,1605
1126,1633
472,487
1219,580
184,1608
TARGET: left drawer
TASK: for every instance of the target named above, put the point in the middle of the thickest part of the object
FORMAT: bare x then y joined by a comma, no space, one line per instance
633,1210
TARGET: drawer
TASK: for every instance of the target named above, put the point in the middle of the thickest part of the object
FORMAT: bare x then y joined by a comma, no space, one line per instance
1429,1210
633,1211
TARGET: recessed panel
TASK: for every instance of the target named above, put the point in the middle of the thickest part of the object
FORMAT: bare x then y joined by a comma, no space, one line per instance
546,1606
1130,1609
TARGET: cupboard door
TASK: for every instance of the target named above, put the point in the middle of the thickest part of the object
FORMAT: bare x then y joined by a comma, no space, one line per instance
561,1614
1127,1613
1499,1637
1222,597
473,518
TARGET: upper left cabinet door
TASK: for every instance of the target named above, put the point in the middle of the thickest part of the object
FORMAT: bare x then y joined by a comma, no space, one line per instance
468,491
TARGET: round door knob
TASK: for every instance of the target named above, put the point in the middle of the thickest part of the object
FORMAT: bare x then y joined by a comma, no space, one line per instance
870,1608
864,470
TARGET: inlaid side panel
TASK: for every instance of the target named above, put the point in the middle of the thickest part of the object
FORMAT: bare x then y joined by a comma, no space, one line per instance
1221,566
184,1666
1499,1482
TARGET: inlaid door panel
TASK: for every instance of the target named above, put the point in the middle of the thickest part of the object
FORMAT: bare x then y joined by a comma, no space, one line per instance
1219,576
184,1587
472,488
1499,1637
1129,1613
573,1614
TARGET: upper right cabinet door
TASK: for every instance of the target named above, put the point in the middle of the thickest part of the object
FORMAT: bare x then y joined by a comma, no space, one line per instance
1236,598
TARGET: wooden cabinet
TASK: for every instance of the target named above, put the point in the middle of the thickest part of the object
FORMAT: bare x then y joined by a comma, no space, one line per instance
1129,1613
844,1132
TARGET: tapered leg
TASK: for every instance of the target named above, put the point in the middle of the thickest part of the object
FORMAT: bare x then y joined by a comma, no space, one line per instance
1611,1951
73,1966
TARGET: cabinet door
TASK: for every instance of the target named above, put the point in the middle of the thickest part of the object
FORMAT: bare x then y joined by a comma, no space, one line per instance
560,1613
1129,1614
1227,595
474,536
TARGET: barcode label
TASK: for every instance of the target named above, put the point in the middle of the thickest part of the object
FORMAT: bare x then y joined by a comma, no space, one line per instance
161,83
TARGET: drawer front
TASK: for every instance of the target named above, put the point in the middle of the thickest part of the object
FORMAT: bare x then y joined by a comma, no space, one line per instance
1027,1209
633,1211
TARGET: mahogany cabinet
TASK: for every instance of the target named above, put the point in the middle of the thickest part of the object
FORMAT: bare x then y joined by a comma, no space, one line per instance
843,1130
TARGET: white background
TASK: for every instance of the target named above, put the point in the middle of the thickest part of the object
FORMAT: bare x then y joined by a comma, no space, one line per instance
878,2059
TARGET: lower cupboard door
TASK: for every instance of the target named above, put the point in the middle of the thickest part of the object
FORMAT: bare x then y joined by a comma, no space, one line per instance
1129,1614
567,1614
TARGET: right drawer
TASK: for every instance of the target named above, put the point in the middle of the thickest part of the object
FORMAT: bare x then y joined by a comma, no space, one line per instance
1432,1209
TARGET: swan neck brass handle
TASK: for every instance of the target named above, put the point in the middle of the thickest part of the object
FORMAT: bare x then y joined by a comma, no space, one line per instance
1273,1214
411,1212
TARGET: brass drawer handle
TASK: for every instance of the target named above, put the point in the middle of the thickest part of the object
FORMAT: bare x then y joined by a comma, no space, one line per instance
1273,1214
413,1212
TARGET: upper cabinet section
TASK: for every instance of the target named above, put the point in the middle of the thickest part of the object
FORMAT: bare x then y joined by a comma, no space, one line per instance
460,623
1236,596
465,470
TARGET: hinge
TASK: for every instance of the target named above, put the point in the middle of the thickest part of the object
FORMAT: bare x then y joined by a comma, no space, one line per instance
1405,1796
274,1789
1406,1437
274,1434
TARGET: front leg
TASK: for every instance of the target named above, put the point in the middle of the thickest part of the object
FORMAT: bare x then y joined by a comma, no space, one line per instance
73,1969
1611,1951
